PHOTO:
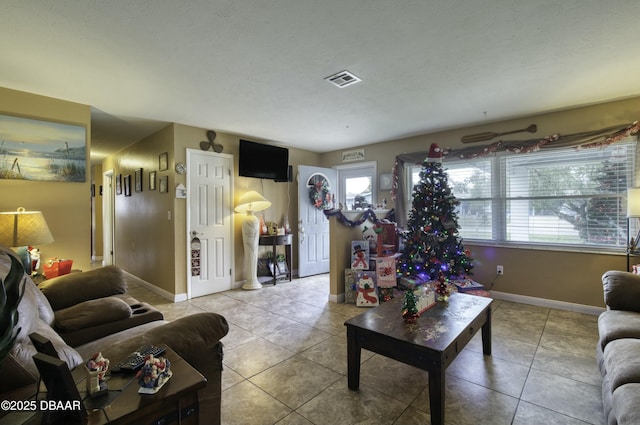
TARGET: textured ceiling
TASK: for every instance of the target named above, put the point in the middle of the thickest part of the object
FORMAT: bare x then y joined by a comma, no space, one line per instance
257,67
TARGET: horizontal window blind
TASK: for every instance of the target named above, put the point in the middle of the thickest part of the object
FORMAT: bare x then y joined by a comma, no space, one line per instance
569,197
472,183
550,197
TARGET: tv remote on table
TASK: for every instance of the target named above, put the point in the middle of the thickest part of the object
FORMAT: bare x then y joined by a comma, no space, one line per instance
135,360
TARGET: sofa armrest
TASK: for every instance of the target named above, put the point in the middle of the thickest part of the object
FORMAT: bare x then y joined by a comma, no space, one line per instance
71,289
196,338
188,335
621,290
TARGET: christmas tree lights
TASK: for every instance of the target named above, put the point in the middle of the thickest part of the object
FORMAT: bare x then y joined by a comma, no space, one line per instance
432,247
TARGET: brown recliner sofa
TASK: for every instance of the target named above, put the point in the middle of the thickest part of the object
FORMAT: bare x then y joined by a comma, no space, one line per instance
93,313
618,349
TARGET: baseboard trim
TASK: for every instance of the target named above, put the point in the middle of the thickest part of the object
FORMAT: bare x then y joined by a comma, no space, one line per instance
543,302
163,293
336,298
153,288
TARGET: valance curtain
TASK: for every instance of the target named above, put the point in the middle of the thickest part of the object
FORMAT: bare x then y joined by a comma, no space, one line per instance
585,140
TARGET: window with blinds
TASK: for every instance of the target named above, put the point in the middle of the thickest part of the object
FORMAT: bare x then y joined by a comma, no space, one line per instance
564,197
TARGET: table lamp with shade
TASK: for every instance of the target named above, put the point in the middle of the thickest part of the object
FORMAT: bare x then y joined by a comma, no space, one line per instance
249,203
633,211
21,229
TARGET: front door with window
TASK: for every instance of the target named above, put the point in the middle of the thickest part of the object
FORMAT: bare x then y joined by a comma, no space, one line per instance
314,185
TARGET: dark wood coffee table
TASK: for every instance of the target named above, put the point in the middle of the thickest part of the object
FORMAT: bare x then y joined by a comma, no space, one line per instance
431,344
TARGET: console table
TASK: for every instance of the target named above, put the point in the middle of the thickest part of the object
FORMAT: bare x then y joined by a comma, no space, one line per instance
274,241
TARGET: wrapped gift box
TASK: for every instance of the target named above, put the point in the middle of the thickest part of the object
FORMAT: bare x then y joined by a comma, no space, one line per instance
55,267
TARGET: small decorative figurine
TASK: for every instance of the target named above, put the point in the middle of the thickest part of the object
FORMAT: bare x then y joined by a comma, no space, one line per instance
155,372
442,288
95,369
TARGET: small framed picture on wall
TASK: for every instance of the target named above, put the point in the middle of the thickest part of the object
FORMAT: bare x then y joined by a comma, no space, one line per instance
163,161
127,185
164,184
138,179
152,180
119,184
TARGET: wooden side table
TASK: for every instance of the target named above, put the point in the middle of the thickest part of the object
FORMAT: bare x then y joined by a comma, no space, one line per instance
176,402
275,241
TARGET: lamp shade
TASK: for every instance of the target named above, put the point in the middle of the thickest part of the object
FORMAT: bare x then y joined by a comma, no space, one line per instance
22,228
252,201
633,202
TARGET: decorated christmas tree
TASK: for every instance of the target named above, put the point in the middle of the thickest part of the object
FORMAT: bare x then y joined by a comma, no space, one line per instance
410,307
432,247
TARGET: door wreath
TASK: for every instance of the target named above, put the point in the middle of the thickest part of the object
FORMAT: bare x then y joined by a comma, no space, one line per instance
319,194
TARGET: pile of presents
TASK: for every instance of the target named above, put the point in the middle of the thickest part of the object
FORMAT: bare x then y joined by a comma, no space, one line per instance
372,279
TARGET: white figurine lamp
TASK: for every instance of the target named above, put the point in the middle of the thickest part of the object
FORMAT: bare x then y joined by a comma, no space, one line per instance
249,203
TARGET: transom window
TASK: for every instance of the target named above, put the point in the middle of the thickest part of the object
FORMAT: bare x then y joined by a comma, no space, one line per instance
552,197
357,185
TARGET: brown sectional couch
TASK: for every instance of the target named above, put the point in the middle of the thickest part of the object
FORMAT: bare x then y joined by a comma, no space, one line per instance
94,304
618,350
83,313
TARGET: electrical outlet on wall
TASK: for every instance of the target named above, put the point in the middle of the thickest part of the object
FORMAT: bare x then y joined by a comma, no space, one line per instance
499,270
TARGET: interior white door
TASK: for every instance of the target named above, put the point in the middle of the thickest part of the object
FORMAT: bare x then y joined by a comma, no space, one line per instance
209,223
313,225
108,219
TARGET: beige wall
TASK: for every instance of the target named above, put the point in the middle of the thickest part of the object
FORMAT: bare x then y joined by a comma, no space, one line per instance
144,234
570,277
66,206
558,275
283,196
154,248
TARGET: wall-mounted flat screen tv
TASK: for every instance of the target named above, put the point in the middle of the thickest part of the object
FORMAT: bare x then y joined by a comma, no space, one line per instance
263,161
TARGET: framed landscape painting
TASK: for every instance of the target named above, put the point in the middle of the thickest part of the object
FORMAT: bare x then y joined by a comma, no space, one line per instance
42,150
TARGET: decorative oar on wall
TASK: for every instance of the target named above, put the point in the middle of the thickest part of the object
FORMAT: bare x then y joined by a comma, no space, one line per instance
482,137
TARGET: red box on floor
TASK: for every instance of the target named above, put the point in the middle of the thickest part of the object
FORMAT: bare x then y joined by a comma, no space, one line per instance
56,268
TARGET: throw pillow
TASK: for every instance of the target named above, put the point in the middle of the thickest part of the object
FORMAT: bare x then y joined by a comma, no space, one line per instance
24,350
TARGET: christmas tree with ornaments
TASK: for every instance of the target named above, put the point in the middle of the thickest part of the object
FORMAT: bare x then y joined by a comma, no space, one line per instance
433,251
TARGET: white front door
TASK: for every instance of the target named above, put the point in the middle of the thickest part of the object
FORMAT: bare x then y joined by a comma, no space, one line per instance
209,222
313,227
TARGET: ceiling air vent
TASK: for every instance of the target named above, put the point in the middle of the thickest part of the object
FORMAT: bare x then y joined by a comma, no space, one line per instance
343,79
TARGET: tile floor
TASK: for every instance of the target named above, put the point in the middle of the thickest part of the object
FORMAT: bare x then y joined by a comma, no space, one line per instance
286,364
